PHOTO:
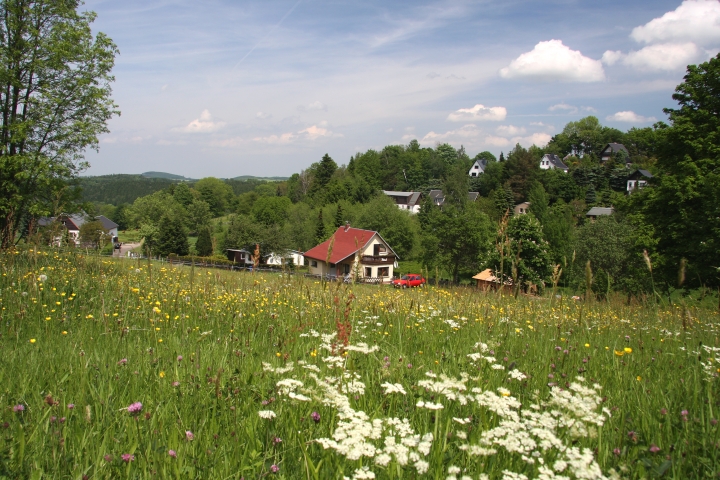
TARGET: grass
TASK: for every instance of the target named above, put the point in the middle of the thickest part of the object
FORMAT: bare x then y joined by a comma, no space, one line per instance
82,338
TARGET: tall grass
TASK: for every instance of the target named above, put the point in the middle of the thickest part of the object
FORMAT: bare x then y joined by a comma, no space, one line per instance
83,338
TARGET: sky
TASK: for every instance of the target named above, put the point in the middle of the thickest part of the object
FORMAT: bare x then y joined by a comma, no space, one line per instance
266,87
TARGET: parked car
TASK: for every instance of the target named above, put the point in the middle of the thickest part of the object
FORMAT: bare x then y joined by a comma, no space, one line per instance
410,280
117,245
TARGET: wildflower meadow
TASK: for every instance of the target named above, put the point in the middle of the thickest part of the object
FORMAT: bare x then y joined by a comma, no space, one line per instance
133,369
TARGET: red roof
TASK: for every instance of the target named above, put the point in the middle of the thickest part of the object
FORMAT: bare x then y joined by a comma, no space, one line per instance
344,245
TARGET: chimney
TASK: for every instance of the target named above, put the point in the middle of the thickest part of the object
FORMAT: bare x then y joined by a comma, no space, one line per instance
347,226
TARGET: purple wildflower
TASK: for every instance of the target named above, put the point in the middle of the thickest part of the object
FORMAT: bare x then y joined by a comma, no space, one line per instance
189,435
127,457
108,458
315,417
684,413
134,408
179,358
274,468
122,361
616,452
713,422
172,453
175,384
71,406
409,365
19,407
663,411
654,448
277,440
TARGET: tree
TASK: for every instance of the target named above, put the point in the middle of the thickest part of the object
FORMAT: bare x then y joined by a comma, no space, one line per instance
94,234
172,237
216,193
339,220
271,210
396,226
198,215
487,156
456,186
204,246
523,255
323,172
183,194
54,102
320,229
454,238
683,205
539,201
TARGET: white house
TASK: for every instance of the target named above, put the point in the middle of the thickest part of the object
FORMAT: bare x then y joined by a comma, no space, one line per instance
478,168
522,208
353,252
290,257
551,161
73,223
409,201
638,179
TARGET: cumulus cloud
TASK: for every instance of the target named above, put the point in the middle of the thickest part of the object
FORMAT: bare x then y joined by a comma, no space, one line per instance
509,130
663,56
310,133
495,141
462,133
538,139
630,117
696,21
562,106
478,113
262,115
203,124
551,60
313,107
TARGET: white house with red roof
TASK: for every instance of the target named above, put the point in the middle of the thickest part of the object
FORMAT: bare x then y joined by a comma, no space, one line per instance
353,252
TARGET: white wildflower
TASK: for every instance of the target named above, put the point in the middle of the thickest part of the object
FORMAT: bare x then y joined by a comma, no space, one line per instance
288,385
497,366
517,375
393,388
363,474
422,466
267,414
452,470
462,421
299,396
362,348
429,405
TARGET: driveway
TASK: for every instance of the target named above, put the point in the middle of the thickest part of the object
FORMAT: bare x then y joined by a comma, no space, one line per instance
125,248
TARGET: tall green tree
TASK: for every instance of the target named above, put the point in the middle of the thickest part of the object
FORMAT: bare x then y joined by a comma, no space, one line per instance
54,102
216,193
172,236
683,205
204,246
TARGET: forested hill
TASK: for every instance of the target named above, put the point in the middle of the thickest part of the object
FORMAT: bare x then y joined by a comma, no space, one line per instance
118,189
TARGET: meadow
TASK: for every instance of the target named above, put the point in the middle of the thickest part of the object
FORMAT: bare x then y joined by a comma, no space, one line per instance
123,368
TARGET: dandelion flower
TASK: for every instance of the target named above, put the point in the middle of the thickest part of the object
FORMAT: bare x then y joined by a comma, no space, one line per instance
32,340
627,350
619,353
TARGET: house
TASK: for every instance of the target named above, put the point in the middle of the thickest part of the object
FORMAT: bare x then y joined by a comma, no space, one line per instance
486,280
595,212
352,252
74,221
438,197
638,179
478,168
409,201
241,256
522,208
612,148
291,257
551,161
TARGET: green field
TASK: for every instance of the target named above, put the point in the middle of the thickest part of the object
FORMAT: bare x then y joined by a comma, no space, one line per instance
130,369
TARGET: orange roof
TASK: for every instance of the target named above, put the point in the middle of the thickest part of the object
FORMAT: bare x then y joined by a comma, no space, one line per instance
486,275
348,240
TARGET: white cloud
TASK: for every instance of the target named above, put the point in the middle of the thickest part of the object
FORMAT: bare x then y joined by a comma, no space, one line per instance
313,107
478,112
262,115
551,60
494,141
629,116
509,130
695,21
433,75
311,133
563,106
462,133
203,124
538,139
663,56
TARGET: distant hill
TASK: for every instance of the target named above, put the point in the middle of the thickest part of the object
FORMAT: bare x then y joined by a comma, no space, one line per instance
268,179
117,189
169,176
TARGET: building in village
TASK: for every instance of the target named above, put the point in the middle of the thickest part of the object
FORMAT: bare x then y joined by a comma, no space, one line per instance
409,201
353,253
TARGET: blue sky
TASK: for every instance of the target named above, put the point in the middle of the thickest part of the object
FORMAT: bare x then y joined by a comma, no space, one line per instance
226,88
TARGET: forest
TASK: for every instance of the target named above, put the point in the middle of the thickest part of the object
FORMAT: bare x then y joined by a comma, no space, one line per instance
660,238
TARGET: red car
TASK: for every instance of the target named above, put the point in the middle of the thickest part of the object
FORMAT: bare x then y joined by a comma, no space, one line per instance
410,280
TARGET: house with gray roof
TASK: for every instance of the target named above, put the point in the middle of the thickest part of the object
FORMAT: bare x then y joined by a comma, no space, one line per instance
478,168
638,180
409,201
551,161
611,149
438,197
73,222
595,212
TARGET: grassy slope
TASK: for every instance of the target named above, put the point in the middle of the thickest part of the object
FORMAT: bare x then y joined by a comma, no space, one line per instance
102,334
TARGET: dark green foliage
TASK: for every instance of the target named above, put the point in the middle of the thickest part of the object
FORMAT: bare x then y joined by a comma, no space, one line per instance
539,201
606,243
339,220
183,195
520,171
523,254
216,193
559,230
320,229
590,195
271,210
204,246
396,226
117,189
172,237
93,234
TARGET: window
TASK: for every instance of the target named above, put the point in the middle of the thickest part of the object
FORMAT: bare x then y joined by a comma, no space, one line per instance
383,271
346,268
368,272
332,265
474,174
313,263
476,167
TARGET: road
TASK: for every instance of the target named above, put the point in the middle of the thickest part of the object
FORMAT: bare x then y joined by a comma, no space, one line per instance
124,248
